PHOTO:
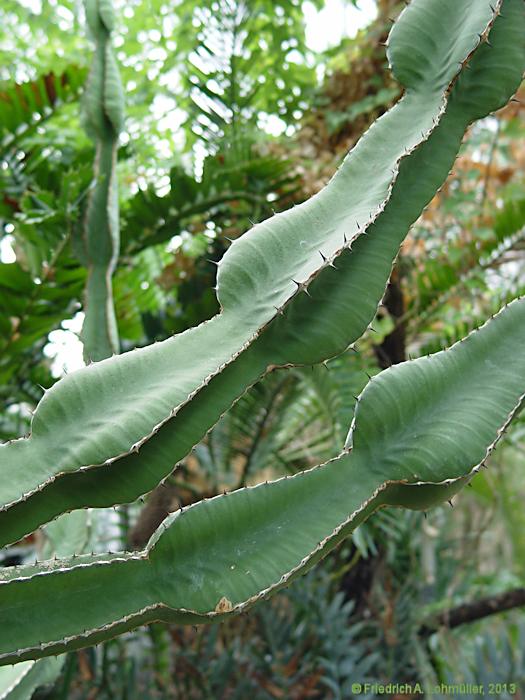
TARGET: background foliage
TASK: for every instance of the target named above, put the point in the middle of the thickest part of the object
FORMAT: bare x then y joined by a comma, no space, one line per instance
207,84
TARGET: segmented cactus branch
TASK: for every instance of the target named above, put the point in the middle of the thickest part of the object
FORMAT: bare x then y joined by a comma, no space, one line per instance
421,430
103,118
113,426
296,289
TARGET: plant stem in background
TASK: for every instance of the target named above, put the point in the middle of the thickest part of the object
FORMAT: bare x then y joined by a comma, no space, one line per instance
103,117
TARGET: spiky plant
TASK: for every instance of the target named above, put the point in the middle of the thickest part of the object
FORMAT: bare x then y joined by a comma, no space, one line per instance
298,289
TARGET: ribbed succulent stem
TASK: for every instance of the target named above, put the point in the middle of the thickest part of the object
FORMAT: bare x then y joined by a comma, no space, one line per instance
103,116
297,289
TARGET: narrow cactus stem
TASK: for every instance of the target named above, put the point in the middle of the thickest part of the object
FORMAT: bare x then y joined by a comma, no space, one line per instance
103,116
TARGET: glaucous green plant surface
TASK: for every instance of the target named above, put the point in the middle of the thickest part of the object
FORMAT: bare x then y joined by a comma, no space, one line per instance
119,425
297,289
68,535
103,116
